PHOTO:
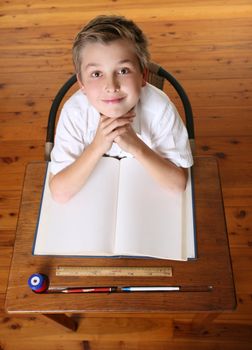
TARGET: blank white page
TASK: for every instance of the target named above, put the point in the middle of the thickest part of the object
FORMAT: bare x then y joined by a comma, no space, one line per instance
65,229
188,220
149,218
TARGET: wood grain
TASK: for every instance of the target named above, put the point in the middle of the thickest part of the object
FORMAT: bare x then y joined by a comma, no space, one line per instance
207,45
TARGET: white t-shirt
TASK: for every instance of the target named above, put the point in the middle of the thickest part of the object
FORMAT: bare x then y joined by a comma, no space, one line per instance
157,123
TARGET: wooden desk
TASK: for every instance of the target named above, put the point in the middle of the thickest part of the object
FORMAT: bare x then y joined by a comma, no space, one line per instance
213,266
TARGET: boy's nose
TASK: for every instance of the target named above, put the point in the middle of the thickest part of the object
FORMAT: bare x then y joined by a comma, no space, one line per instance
112,84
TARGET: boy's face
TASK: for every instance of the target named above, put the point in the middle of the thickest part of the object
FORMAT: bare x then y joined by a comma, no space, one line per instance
111,77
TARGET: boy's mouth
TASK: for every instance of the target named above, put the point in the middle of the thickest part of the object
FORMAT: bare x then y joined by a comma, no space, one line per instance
113,100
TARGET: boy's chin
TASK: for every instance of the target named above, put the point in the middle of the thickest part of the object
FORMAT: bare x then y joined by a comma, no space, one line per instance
114,114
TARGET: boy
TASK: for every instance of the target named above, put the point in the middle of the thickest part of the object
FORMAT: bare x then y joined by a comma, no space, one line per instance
116,112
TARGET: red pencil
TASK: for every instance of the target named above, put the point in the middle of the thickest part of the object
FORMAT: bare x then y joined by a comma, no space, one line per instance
84,290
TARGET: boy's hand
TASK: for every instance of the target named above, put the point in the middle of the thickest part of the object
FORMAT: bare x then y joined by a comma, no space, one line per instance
109,129
128,140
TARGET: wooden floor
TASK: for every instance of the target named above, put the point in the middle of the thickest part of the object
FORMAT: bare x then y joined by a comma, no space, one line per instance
207,45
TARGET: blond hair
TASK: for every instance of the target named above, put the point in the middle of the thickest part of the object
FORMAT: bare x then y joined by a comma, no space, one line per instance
105,29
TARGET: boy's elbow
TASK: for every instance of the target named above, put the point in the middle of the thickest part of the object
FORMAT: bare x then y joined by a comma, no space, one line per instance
180,188
182,180
177,188
60,197
58,193
179,182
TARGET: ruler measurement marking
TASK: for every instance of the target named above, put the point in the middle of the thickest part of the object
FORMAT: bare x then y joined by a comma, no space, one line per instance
94,271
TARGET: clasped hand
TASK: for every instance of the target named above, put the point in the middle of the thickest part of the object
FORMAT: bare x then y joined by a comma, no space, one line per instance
117,130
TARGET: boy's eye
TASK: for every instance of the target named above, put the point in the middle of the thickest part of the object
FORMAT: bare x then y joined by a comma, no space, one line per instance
123,71
96,74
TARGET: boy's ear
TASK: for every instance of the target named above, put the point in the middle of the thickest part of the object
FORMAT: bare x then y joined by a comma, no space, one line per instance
82,87
145,76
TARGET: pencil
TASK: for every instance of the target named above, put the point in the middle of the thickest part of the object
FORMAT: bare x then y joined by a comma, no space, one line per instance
83,290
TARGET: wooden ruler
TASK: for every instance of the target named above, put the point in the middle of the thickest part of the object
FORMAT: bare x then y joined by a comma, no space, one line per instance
103,271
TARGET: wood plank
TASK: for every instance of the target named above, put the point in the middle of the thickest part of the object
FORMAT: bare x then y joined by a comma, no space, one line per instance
9,208
217,33
21,125
184,330
239,226
127,345
6,255
49,345
237,195
241,261
42,16
13,160
180,345
117,330
243,311
224,121
26,4
207,46
7,238
113,329
224,147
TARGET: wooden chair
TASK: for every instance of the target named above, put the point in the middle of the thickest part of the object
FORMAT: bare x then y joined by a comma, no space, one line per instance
156,76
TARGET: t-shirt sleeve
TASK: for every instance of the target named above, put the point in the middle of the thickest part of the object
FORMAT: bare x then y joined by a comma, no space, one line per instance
68,141
170,138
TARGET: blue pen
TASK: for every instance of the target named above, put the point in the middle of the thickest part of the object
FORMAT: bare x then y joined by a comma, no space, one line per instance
168,289
150,289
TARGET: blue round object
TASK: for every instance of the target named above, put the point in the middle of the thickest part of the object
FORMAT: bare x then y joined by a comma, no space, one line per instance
38,282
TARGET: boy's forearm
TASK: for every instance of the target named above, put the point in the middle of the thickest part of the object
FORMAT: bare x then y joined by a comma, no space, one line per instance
70,180
167,174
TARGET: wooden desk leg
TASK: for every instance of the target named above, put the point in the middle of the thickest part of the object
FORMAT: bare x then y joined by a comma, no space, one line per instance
202,320
86,345
199,324
63,320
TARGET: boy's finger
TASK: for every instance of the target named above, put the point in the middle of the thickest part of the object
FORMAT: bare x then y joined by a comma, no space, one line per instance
119,122
130,114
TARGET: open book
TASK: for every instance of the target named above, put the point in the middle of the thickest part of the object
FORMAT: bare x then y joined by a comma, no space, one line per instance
120,211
